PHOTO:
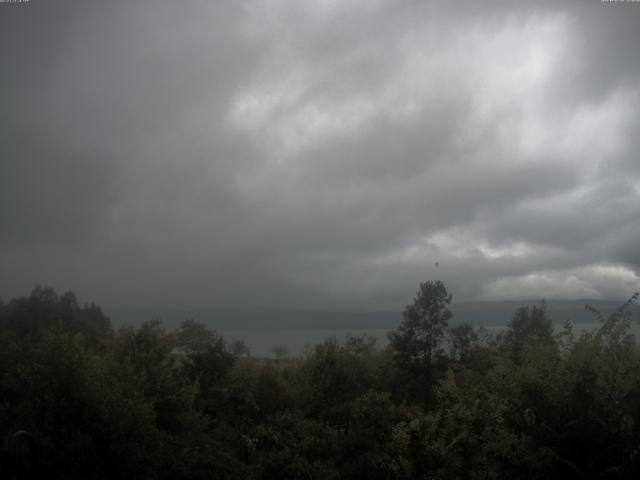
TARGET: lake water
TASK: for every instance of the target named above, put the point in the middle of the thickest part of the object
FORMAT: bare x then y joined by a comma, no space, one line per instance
260,342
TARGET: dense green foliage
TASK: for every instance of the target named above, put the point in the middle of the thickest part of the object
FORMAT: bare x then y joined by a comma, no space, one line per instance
78,400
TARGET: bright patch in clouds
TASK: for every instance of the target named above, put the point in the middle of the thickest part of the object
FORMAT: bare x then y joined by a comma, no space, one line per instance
464,244
593,281
327,99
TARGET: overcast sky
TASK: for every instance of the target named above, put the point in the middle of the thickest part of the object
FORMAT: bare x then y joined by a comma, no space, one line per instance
319,154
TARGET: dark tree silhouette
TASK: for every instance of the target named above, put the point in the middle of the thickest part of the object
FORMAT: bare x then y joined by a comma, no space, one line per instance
419,338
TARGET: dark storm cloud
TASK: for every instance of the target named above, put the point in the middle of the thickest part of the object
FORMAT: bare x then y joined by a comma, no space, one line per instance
319,153
113,114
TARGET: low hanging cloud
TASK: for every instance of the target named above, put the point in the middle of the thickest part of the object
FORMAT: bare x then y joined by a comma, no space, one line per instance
319,153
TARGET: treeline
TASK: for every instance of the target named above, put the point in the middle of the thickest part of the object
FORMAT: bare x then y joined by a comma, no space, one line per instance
79,400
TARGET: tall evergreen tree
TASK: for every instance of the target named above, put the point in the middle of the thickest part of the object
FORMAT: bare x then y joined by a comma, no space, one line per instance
418,340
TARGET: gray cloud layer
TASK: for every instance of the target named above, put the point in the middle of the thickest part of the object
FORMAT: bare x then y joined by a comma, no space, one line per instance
319,153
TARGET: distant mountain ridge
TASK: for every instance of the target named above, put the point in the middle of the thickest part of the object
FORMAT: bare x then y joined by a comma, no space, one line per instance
492,313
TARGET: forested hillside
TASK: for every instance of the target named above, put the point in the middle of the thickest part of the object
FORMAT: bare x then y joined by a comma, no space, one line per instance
80,400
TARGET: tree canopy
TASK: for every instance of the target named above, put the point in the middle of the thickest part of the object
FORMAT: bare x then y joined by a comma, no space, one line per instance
79,399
